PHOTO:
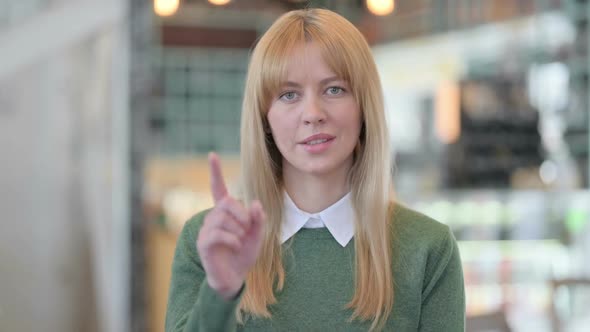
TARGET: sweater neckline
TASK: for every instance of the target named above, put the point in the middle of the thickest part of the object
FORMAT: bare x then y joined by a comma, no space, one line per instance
322,233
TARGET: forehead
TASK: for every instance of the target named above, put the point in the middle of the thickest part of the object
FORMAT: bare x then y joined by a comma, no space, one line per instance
306,62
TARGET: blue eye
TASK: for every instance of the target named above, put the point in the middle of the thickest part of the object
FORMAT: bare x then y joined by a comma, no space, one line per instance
288,96
335,90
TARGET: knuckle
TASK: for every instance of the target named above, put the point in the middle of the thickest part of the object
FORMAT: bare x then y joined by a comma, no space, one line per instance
214,234
218,215
211,216
202,244
226,201
214,238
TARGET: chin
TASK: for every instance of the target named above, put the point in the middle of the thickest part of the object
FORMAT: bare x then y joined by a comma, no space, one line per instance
319,167
317,171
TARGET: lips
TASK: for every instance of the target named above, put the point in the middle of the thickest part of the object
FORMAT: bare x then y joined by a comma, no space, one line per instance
317,139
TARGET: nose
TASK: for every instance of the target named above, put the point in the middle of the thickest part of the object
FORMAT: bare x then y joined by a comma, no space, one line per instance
313,112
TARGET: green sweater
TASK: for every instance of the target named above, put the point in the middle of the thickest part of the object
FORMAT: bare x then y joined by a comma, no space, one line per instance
429,292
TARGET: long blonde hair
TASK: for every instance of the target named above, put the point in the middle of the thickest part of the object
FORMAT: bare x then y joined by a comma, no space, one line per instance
347,53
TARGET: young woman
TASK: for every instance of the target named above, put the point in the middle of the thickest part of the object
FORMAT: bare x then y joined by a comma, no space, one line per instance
315,241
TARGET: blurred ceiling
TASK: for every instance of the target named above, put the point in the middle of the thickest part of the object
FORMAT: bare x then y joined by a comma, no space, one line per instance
411,18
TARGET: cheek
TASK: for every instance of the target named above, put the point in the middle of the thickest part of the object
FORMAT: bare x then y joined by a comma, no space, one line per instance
353,121
273,119
281,127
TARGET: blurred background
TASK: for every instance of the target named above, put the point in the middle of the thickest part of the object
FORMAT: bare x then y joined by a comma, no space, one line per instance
108,110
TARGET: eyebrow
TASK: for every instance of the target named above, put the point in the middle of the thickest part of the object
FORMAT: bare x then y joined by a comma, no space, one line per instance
322,82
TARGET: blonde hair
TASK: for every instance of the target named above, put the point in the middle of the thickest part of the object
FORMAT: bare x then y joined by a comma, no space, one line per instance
347,53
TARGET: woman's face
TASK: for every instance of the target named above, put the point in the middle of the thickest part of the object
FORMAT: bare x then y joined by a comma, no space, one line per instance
314,118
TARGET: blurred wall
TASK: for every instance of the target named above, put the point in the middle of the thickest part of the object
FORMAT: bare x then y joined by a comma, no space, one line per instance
63,182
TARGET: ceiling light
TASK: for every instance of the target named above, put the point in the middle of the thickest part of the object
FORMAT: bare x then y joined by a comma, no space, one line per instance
166,7
219,2
381,7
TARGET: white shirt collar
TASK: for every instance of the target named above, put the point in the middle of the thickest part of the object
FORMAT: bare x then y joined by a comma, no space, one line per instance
338,218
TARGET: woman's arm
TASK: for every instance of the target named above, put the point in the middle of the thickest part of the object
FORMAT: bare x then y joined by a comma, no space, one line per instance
192,304
228,242
443,295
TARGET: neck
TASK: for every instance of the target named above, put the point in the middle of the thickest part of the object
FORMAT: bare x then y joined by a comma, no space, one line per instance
314,193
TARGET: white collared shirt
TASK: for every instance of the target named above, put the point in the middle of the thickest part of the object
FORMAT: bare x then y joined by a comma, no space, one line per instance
338,218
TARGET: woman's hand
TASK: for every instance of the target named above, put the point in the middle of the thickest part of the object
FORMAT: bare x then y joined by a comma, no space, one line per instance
231,237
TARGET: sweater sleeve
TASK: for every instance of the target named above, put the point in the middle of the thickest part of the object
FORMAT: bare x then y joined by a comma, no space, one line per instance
192,304
443,295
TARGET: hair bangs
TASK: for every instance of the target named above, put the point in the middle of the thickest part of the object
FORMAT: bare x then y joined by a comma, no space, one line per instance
333,53
296,29
277,51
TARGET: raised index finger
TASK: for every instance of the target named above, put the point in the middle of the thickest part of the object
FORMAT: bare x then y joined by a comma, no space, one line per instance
217,182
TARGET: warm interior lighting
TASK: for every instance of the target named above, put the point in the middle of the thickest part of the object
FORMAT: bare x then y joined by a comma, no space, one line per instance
166,7
381,7
447,112
219,2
